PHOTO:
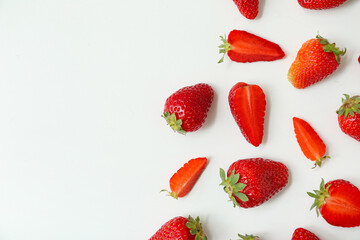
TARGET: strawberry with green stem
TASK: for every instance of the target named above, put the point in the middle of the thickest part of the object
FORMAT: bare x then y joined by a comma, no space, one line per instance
349,116
316,60
251,182
186,110
338,202
242,46
180,228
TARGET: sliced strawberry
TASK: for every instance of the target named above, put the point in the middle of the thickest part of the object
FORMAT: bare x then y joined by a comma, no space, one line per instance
242,46
310,143
338,202
247,105
185,178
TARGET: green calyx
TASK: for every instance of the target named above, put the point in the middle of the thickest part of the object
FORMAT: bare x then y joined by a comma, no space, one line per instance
174,123
232,187
171,194
320,196
351,105
196,228
330,47
319,161
224,48
248,237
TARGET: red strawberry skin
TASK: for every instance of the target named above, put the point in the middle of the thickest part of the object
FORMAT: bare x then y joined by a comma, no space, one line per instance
342,206
248,8
303,234
175,229
320,4
349,116
247,47
263,178
247,105
350,125
191,105
312,64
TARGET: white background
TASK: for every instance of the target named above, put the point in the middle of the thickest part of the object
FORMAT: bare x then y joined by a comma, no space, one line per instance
84,151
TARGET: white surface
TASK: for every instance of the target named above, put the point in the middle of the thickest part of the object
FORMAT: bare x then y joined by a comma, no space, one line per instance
84,151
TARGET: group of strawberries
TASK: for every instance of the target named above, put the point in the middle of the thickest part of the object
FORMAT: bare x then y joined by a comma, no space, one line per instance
251,182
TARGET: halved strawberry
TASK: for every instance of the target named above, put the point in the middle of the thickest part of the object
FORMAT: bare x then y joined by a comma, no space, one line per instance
185,178
242,46
338,202
309,141
247,105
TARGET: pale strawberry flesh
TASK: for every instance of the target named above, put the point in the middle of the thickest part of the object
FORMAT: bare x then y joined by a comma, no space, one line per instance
247,105
185,178
247,47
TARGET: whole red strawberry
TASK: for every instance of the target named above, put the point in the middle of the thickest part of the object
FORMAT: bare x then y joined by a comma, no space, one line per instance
186,109
338,202
316,60
180,228
247,104
320,4
242,46
248,8
349,116
303,234
251,182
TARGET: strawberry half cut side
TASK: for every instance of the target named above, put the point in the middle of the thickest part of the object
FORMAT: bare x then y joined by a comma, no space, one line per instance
232,187
248,104
338,202
242,46
185,178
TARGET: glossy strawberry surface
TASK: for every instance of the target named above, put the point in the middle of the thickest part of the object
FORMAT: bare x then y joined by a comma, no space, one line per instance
349,116
263,179
179,228
315,61
320,4
248,8
190,105
303,234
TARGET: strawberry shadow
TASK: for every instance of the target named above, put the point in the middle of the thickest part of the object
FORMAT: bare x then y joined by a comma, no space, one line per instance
266,118
261,9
